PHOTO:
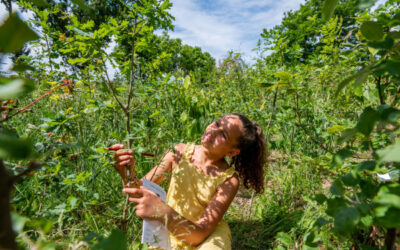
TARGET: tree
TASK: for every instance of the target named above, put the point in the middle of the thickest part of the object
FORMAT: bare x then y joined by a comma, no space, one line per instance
302,28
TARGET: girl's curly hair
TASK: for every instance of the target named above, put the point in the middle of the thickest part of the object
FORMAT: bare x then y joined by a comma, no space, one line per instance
253,155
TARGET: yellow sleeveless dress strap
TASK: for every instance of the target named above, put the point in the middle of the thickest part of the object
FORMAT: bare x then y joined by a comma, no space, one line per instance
188,151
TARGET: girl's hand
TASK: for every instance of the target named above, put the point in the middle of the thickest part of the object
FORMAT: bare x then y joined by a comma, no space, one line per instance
122,158
148,204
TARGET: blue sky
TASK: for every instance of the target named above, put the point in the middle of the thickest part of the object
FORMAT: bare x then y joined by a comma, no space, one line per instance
218,26
222,25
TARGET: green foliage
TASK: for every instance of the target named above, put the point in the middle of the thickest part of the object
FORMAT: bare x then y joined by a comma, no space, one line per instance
15,33
329,7
372,31
116,241
328,137
11,88
14,147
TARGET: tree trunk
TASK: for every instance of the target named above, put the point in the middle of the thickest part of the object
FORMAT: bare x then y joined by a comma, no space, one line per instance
390,238
7,236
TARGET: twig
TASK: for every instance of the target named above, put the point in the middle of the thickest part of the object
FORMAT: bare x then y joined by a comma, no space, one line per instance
124,213
22,110
378,86
140,104
33,165
110,87
131,78
272,113
159,164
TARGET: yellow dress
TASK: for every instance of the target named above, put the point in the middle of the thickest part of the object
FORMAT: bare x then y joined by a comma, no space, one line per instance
189,193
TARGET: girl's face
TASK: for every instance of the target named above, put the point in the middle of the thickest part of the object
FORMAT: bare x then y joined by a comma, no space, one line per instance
222,136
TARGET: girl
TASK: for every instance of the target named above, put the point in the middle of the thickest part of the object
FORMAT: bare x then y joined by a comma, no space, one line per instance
203,184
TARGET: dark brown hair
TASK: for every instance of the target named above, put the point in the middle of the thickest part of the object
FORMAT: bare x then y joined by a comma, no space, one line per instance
250,161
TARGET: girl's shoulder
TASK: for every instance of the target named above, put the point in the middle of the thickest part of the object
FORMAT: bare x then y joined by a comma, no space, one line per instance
180,148
179,151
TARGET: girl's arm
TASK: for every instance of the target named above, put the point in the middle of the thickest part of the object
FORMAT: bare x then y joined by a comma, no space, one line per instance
158,173
149,206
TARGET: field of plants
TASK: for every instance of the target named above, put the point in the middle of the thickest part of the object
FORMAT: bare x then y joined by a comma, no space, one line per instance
325,89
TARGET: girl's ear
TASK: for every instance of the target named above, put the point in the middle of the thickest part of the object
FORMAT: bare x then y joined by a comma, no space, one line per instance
233,152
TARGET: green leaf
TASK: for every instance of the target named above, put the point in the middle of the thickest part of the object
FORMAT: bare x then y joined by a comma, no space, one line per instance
394,34
364,4
40,3
14,147
81,4
322,222
18,222
386,44
346,220
392,66
14,34
349,180
116,241
367,121
283,75
388,113
366,165
365,208
82,33
373,51
183,117
368,188
22,67
360,77
328,8
367,221
344,83
334,205
337,188
347,135
14,88
320,198
44,224
371,30
389,195
388,217
285,239
187,82
77,60
341,155
391,153
310,241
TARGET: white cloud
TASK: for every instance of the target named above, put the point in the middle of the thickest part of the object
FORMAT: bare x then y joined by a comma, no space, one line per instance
222,25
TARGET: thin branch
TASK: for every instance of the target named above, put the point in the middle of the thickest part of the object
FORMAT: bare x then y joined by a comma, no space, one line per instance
22,110
131,78
33,165
140,104
379,87
110,87
272,113
124,213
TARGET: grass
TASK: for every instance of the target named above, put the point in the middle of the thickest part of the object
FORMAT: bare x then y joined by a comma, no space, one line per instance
80,193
